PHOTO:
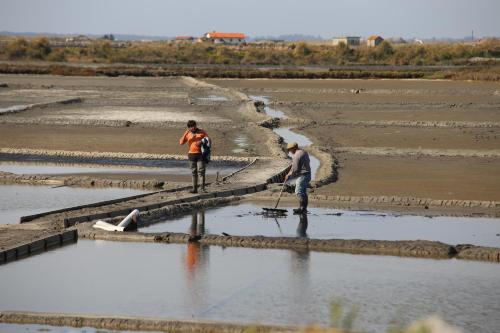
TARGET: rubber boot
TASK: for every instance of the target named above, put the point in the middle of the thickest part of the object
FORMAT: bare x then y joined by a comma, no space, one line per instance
306,203
203,184
195,185
300,210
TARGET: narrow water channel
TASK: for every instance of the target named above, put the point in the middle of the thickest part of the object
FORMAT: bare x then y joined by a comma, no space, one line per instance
287,134
191,281
22,200
324,223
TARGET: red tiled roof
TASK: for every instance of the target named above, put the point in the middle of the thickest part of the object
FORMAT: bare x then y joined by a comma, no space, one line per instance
374,37
225,35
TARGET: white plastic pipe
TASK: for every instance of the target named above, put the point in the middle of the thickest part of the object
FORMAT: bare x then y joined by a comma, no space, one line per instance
133,216
107,226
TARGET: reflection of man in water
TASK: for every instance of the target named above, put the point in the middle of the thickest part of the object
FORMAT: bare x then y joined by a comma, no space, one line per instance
196,230
197,258
302,227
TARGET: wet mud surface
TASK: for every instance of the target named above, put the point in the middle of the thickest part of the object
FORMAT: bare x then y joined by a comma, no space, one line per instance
292,287
123,114
400,136
421,177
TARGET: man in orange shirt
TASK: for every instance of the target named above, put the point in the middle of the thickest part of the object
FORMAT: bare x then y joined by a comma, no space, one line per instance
193,137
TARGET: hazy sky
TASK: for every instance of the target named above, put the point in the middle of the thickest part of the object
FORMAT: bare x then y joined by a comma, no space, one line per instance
406,18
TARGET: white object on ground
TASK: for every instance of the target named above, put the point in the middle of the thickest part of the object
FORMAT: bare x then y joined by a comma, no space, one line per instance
134,215
107,226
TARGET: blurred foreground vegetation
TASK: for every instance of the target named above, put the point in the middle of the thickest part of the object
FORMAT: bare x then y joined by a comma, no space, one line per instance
241,61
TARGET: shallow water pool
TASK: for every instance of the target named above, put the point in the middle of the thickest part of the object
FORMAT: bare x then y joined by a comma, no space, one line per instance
22,200
324,223
252,285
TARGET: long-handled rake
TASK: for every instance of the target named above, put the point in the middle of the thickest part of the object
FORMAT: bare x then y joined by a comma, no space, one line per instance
271,212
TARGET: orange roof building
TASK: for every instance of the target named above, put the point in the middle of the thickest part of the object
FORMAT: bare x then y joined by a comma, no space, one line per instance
225,37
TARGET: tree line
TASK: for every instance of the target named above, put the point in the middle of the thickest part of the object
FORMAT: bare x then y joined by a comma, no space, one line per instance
284,54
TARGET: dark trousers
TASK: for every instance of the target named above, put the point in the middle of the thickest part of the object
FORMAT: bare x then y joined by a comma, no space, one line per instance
197,165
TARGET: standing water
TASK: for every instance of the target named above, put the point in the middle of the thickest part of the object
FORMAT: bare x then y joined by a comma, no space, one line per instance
22,200
287,134
193,281
325,223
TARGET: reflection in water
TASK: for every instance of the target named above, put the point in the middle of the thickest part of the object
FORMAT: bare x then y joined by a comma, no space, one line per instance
197,260
245,219
197,227
252,285
300,283
279,226
302,227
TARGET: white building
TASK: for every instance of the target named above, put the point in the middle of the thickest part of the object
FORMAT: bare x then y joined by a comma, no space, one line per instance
347,40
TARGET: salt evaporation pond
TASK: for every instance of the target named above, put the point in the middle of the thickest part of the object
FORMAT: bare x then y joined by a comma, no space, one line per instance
174,168
325,223
22,200
191,281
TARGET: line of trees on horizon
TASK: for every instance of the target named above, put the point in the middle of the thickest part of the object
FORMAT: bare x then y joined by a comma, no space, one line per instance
285,54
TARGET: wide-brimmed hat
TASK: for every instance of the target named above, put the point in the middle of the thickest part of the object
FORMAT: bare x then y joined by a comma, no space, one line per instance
292,145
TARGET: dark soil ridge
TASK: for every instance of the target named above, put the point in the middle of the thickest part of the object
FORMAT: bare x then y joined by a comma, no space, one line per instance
137,323
414,106
214,72
418,248
39,245
494,206
85,182
104,157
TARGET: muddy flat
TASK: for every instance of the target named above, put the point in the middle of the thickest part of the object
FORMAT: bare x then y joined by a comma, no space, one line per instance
369,90
415,138
443,135
123,115
422,177
400,137
110,139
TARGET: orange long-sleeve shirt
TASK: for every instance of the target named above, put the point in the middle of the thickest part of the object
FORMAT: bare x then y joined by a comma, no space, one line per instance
193,140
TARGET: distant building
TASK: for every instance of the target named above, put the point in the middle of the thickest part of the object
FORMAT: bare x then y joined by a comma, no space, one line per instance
347,40
374,40
396,40
184,39
78,39
224,37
